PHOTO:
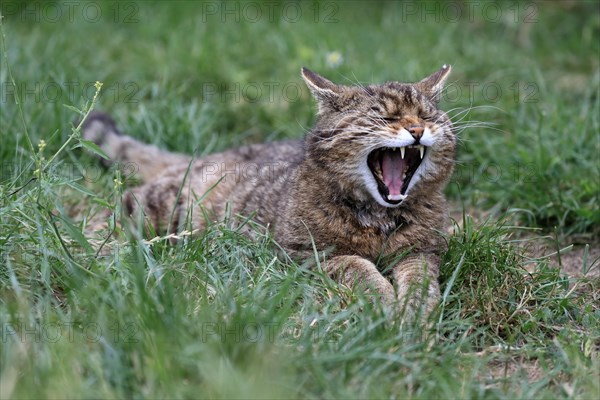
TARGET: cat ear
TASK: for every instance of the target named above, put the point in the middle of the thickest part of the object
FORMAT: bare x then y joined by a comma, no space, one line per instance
433,85
322,89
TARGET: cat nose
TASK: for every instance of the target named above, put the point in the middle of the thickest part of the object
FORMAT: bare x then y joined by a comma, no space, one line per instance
416,131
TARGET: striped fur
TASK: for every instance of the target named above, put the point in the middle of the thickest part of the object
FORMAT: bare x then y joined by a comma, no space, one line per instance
316,190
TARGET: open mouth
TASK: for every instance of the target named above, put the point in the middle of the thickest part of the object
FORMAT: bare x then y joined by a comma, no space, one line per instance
393,168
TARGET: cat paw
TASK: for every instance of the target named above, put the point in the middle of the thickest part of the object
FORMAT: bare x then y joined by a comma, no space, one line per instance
414,306
380,291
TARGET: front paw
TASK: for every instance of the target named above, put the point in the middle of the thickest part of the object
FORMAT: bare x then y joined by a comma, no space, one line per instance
361,276
380,291
417,301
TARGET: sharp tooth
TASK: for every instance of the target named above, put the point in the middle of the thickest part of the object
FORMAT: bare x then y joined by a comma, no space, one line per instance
396,197
402,150
422,151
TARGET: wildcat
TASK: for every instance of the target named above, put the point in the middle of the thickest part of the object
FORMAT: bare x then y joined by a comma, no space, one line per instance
364,184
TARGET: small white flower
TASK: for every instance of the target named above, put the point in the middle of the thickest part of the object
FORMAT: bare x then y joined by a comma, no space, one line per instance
334,59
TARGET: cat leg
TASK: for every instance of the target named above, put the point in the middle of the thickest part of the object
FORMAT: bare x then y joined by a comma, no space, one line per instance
416,282
360,274
154,208
144,160
158,207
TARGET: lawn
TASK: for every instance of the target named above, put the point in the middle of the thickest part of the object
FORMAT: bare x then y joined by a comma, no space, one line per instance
220,316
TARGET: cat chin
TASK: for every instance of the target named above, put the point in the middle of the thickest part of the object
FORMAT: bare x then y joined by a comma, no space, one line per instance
387,204
374,192
390,205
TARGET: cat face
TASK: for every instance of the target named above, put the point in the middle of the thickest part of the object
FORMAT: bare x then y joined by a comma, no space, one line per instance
385,142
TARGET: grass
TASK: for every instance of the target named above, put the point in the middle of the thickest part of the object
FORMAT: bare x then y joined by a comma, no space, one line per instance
220,316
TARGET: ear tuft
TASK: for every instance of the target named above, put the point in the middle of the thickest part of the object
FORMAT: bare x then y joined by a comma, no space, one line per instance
433,85
321,88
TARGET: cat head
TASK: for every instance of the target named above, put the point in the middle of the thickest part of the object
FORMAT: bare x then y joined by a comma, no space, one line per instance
385,142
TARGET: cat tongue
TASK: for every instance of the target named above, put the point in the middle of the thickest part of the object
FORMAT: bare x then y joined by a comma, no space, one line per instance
392,167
